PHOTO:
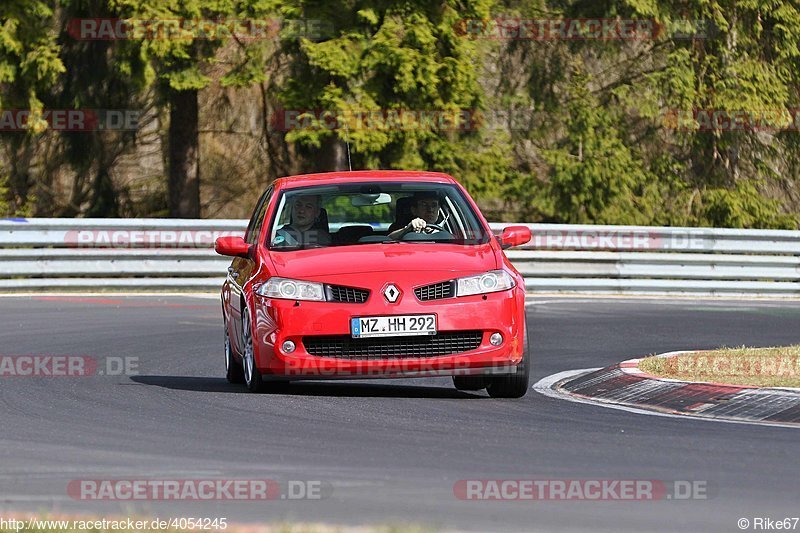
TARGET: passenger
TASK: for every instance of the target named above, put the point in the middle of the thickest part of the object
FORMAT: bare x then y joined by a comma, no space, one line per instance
425,209
307,225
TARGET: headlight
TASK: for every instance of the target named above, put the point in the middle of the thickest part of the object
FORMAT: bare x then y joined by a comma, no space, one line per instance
292,289
496,280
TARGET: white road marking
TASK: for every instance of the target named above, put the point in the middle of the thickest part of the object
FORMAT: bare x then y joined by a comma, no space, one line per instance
545,387
16,498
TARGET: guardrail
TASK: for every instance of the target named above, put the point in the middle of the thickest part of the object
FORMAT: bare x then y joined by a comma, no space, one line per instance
167,254
113,254
659,260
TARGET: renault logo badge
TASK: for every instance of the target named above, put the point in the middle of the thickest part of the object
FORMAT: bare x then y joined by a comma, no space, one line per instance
391,293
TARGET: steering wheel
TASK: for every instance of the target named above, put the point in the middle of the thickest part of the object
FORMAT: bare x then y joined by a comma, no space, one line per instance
432,228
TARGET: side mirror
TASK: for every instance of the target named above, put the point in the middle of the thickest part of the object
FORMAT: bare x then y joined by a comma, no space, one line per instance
514,236
232,246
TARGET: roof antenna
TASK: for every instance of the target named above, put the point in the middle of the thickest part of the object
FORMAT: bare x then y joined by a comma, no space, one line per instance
347,142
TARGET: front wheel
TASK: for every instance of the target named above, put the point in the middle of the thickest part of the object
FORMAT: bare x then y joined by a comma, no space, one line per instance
252,377
513,385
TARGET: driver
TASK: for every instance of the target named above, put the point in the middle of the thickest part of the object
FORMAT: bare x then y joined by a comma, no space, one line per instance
425,209
305,227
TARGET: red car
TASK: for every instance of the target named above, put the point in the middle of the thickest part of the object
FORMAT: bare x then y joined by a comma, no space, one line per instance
374,274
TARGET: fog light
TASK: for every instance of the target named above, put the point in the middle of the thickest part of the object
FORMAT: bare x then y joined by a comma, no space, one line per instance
496,339
288,346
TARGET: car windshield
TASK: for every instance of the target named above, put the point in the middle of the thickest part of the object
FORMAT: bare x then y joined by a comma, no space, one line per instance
370,212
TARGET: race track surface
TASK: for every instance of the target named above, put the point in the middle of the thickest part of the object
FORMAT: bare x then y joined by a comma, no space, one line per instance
390,452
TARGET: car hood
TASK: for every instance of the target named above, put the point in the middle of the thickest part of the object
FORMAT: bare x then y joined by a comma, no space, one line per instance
395,257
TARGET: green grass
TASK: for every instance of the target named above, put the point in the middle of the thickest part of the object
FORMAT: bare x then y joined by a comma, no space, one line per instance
760,367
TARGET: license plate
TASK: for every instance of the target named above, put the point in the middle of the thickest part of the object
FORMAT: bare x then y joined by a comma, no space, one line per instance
393,326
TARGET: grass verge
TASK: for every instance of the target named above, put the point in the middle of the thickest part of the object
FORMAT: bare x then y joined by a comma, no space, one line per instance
759,367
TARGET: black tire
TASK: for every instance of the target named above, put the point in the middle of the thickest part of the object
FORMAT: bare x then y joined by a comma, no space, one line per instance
469,383
513,385
252,377
233,369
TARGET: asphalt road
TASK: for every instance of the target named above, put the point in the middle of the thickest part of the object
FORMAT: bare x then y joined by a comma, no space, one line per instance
388,452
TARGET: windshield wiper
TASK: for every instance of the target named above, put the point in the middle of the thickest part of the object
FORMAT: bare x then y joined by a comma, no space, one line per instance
295,247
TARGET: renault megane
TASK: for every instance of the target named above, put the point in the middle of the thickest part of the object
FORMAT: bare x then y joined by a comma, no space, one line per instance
374,274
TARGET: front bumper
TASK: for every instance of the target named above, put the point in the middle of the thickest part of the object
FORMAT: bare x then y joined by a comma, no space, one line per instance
277,321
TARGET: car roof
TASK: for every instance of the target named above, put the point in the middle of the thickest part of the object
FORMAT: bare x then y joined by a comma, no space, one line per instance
363,175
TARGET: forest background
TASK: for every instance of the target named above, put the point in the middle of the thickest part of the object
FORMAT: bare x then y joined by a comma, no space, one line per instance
674,112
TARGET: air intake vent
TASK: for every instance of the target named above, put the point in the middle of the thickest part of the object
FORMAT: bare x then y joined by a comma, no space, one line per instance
437,291
346,347
350,295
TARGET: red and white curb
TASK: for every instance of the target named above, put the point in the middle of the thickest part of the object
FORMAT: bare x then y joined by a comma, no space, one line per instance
626,387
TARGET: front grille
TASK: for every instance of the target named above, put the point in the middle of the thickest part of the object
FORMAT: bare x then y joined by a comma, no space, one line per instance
350,295
346,347
436,291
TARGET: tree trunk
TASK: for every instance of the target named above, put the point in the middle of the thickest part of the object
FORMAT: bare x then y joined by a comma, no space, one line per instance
184,155
329,157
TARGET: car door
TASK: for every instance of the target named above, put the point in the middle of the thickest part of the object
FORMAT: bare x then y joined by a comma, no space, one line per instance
242,268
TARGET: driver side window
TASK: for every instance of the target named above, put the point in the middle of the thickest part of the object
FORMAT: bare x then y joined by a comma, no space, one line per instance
257,220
